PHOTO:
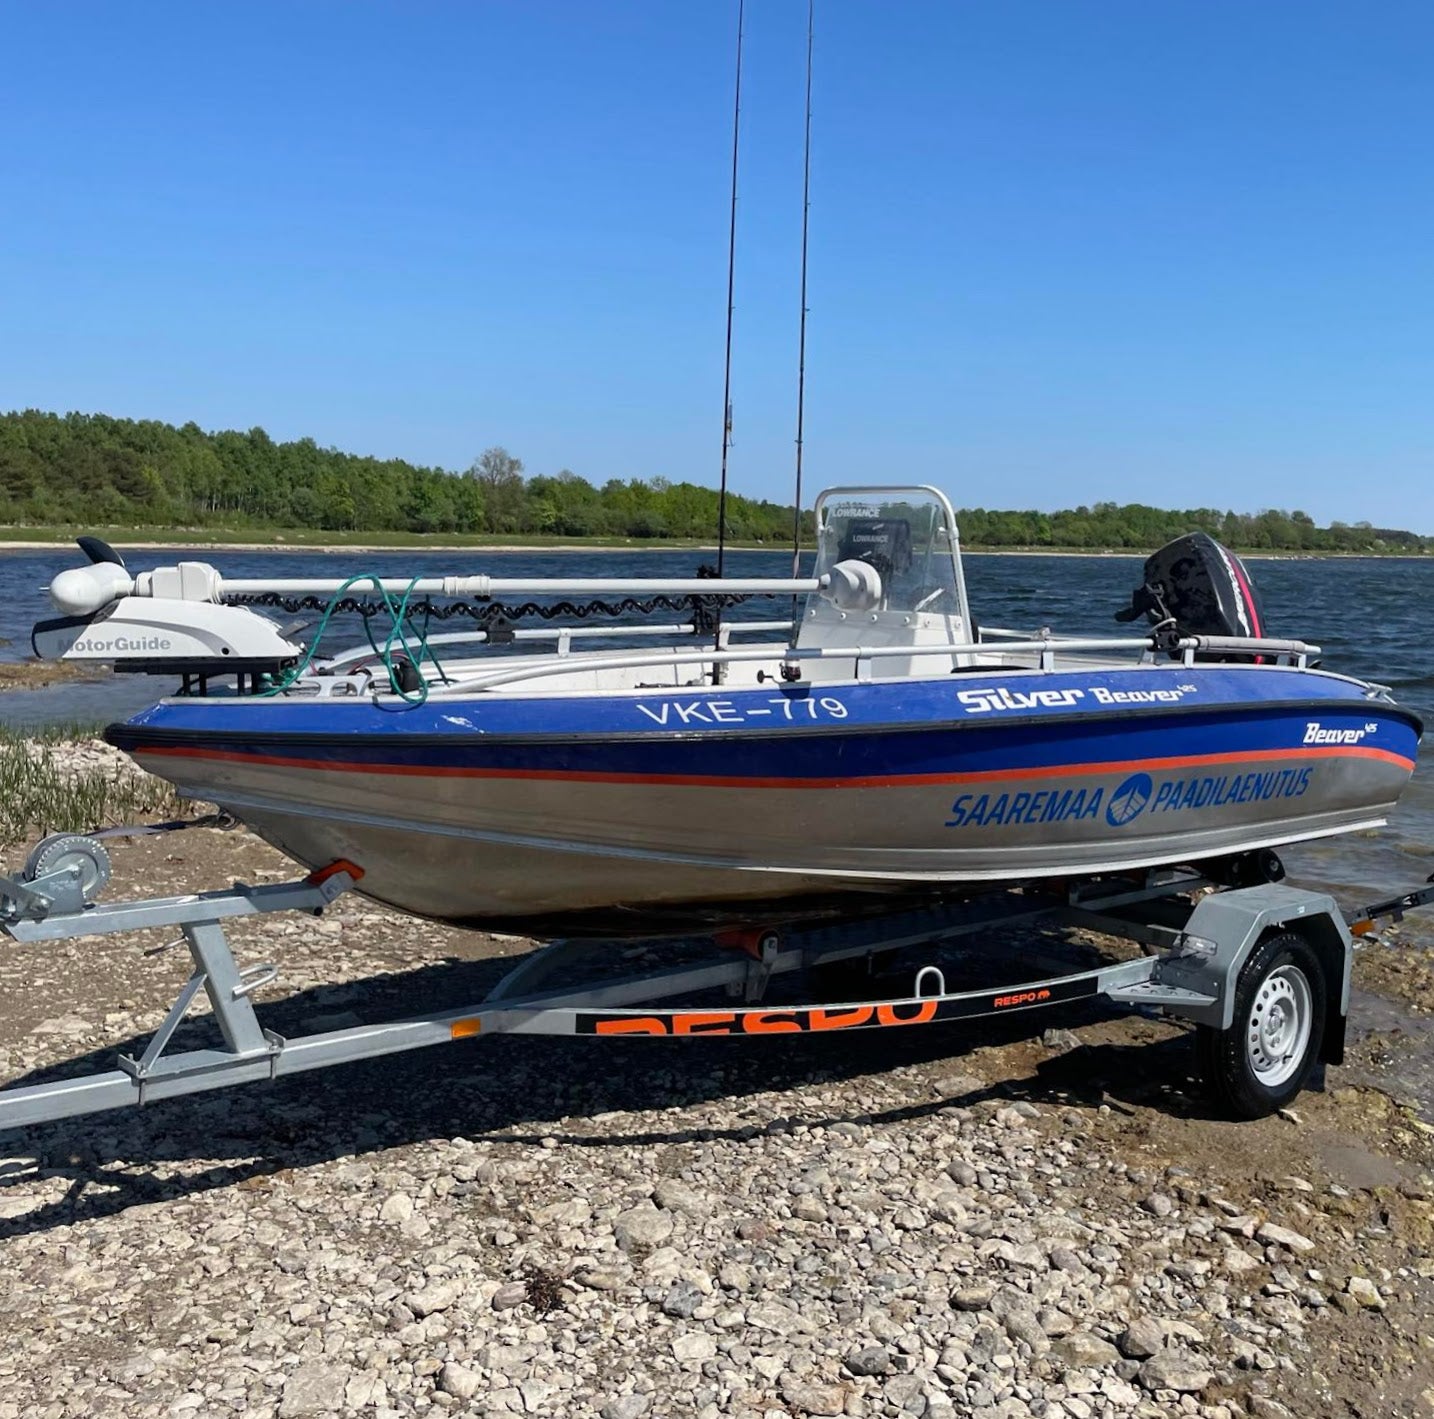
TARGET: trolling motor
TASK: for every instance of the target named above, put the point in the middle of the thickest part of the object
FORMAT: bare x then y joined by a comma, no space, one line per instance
162,637
184,619
172,629
165,622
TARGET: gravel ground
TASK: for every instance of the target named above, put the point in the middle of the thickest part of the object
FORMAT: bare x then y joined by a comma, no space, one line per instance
36,674
1038,1218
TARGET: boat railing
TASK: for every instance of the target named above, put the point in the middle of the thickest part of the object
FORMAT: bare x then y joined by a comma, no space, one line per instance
1190,647
1194,646
561,637
864,657
1005,633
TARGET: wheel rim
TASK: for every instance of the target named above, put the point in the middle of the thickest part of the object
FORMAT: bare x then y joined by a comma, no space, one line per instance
1277,1033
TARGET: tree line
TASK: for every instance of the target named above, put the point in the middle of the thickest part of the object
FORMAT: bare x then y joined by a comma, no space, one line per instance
93,470
90,470
1133,526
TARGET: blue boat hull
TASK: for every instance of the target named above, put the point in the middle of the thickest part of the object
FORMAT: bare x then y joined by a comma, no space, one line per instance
661,809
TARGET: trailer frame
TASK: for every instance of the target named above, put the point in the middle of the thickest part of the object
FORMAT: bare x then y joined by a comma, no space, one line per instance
1198,939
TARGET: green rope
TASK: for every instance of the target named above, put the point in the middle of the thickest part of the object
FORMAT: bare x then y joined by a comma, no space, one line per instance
398,618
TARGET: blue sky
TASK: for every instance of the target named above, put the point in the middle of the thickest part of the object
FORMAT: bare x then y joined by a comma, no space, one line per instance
1180,253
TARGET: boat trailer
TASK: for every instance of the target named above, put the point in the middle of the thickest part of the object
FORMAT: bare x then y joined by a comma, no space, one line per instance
1263,971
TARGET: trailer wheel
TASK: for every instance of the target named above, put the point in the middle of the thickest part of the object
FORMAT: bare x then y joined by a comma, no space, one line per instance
1273,1044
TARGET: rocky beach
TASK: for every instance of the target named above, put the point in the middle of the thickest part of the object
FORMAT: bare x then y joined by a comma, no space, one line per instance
1039,1218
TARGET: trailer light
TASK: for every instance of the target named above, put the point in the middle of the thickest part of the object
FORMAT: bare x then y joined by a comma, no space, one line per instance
1199,948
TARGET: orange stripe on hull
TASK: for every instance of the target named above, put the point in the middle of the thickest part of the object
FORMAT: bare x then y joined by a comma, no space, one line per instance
1186,761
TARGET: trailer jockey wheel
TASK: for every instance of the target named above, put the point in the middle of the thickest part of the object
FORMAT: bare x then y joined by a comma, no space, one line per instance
1273,1044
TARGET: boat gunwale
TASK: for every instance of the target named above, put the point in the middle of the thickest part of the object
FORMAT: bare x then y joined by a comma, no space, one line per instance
127,734
543,667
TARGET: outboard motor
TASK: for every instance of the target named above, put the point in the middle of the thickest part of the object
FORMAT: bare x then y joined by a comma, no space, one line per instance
1200,587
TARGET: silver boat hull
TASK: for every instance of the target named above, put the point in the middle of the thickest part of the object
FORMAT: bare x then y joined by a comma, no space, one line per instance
615,858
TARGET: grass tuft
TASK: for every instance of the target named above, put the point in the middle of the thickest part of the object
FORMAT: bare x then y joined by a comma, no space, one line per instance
43,790
545,1288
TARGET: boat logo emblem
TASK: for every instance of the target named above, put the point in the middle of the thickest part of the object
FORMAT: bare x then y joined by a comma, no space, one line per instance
120,645
1316,733
1128,800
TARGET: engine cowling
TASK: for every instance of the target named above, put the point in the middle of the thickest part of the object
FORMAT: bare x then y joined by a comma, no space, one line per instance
1201,587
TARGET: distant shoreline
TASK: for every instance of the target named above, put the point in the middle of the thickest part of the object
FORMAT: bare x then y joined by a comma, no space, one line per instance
7,545
645,546
293,541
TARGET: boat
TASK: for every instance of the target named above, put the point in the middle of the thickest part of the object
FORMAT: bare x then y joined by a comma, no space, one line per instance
872,748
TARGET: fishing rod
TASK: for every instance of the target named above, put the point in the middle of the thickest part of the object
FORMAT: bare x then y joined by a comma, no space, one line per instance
802,328
727,364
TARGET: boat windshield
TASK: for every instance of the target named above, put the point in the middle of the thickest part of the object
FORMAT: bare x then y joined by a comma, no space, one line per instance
908,534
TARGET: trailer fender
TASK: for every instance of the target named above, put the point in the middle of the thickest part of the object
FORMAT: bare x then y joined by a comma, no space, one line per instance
1226,926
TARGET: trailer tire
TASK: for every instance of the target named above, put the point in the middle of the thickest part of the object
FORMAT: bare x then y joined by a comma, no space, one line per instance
1273,1044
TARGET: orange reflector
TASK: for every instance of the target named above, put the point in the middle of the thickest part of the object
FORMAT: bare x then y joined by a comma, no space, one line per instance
465,1029
1361,928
